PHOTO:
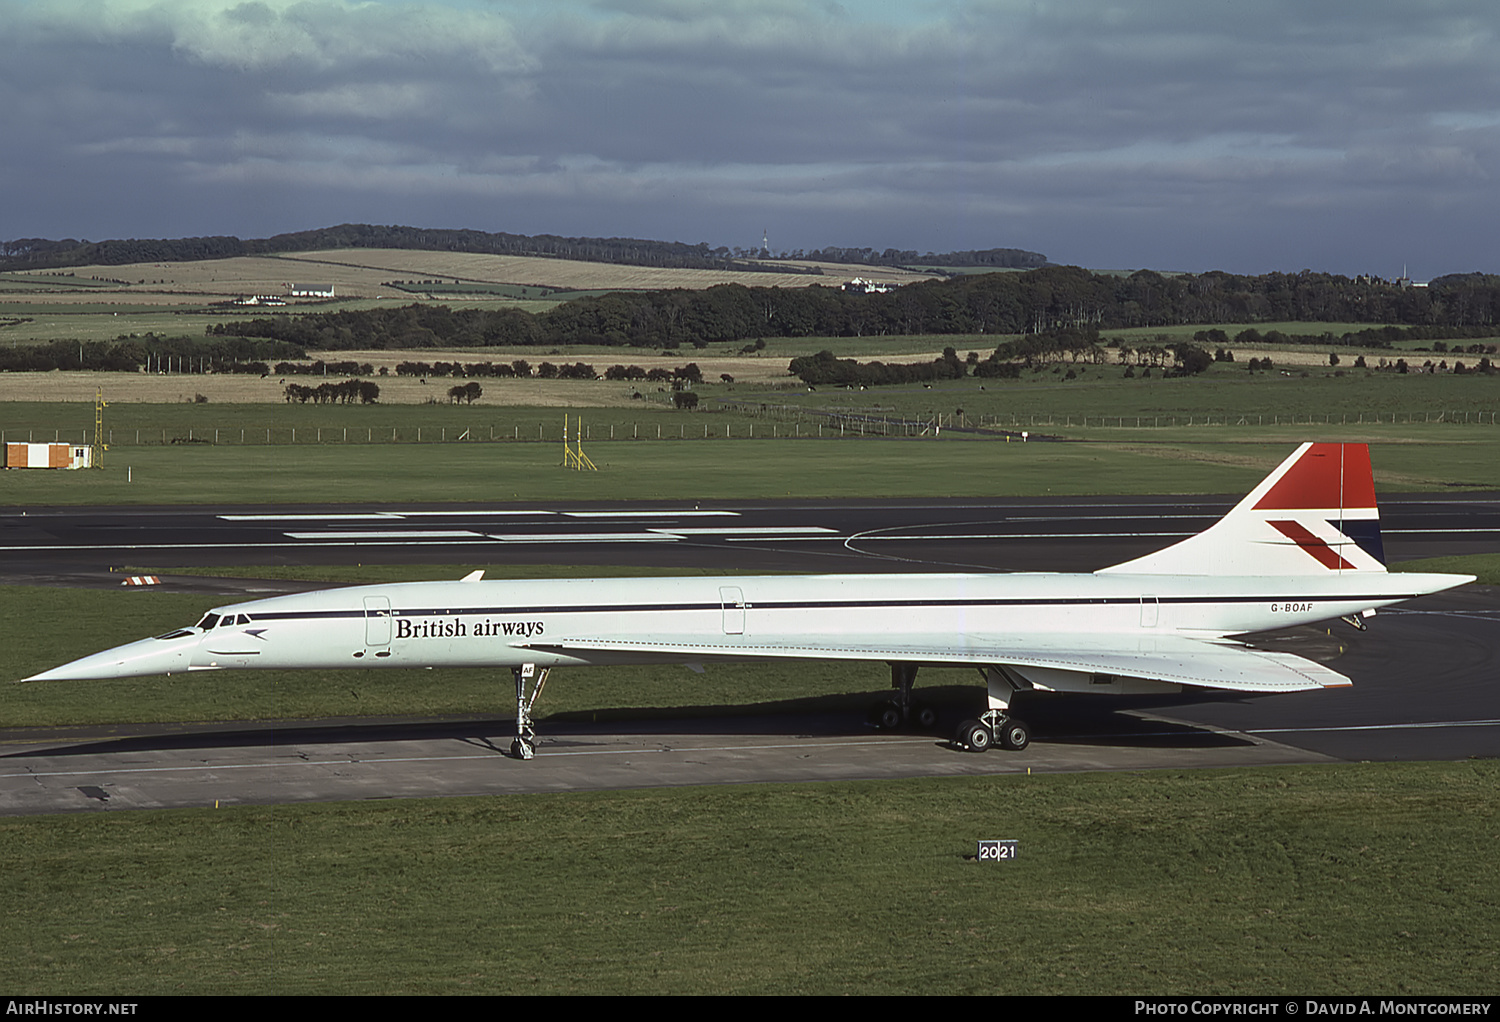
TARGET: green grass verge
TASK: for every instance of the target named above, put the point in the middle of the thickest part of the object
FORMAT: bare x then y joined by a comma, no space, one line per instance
628,471
731,470
1353,879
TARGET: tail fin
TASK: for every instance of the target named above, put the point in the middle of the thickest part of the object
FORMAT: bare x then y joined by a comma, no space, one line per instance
1314,514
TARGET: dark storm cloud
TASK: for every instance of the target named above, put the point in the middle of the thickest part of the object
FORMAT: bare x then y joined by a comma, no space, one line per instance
1178,133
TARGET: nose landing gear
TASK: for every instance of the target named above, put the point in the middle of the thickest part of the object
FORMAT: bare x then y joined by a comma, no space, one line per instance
524,745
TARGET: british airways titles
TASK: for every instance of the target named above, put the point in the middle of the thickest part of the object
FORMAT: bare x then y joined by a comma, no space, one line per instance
458,628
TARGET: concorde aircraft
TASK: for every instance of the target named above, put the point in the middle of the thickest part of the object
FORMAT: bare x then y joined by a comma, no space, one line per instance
1304,546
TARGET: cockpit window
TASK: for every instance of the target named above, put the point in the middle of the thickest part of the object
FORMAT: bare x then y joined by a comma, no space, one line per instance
209,620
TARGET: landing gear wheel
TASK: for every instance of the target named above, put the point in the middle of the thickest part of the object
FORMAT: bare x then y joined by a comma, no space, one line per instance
523,748
886,716
1015,735
923,716
974,736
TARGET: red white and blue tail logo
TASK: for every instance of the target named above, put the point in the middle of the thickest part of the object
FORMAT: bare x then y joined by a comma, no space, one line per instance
1314,514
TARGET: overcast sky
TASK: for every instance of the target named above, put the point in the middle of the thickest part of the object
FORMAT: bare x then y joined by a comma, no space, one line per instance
1248,135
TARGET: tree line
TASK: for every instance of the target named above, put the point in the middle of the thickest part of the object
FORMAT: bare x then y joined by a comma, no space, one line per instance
1045,302
825,368
1038,301
345,392
41,253
995,258
321,368
690,373
1374,337
150,352
1005,362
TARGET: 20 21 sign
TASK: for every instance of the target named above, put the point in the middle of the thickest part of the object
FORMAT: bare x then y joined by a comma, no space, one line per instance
996,851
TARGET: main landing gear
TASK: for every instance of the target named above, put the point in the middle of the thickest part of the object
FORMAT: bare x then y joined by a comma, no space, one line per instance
993,728
890,714
527,675
996,726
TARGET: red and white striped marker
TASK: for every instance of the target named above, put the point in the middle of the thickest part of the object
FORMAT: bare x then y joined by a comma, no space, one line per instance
141,580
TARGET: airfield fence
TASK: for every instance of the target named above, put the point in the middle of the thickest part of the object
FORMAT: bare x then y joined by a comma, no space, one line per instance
808,424
511,433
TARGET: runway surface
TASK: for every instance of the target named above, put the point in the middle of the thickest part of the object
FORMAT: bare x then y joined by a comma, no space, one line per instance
1427,681
1038,534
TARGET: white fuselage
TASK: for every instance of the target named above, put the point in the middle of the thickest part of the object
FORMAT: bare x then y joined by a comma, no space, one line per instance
505,623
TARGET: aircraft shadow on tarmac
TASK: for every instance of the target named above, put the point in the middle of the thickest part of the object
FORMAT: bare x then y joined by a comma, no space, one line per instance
1123,721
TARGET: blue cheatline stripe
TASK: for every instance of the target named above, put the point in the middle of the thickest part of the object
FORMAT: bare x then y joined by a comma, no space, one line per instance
621,608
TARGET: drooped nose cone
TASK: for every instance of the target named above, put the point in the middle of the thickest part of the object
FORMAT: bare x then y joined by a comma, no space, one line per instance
132,660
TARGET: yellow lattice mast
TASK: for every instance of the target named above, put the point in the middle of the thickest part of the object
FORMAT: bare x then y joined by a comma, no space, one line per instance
575,459
99,445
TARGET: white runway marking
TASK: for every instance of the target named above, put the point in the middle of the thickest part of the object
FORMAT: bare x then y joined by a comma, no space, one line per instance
390,534
585,537
477,514
650,514
749,530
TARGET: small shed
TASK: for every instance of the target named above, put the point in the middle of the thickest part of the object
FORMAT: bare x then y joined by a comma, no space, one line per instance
48,455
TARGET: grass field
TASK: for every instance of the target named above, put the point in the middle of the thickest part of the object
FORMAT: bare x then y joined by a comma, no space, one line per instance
103,302
1357,879
179,299
1127,435
722,470
1226,392
366,273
